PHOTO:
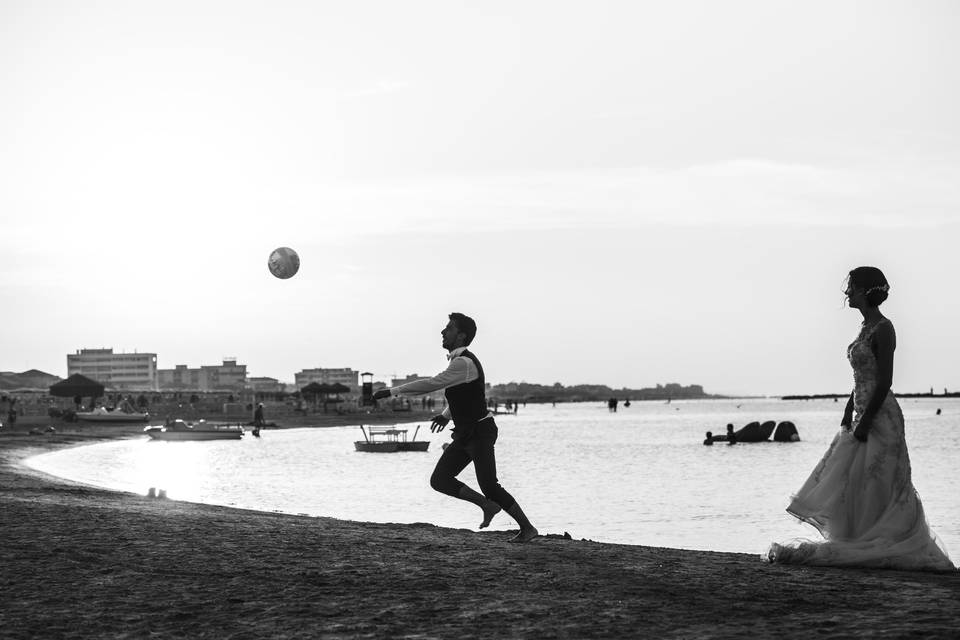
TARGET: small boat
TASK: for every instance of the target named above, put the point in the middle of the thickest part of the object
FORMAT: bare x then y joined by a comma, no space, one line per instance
755,431
389,440
751,432
101,414
787,432
180,430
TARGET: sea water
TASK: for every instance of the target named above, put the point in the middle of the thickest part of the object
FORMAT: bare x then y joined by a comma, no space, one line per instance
640,475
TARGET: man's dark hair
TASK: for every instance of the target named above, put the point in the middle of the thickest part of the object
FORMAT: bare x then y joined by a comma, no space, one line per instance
465,325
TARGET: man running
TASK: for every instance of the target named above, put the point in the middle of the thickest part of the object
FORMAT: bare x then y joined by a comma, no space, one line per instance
474,431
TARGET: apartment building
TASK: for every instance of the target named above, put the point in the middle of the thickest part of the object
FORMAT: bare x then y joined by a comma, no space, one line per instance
122,371
346,377
228,376
264,384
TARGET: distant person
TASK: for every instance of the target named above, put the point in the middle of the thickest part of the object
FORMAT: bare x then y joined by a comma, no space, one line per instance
474,429
709,439
515,407
860,495
938,411
731,436
626,403
258,420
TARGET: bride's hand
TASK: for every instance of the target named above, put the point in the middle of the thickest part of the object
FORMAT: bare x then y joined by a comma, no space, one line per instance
860,433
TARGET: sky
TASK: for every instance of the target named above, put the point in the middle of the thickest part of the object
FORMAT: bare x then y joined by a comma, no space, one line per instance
620,193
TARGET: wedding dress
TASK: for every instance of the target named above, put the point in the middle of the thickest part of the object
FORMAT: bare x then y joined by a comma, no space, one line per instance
860,496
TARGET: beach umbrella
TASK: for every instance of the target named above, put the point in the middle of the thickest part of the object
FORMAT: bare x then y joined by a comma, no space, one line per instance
338,388
77,385
314,390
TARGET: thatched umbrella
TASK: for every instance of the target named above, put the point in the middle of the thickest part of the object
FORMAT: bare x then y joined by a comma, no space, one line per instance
339,388
336,388
77,385
313,390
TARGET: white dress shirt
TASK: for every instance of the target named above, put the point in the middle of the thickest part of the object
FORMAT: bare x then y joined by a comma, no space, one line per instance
460,370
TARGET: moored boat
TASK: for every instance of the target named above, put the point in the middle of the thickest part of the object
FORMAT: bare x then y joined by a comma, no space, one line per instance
103,415
180,430
389,440
758,432
414,445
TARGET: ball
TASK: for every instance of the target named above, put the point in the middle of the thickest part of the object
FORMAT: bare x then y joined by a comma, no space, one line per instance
284,263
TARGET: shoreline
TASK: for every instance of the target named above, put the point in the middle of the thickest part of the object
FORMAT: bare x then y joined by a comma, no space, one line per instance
83,562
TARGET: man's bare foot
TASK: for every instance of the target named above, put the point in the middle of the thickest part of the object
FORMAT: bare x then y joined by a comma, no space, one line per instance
525,535
490,509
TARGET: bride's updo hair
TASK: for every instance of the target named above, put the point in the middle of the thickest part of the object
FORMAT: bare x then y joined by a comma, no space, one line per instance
872,282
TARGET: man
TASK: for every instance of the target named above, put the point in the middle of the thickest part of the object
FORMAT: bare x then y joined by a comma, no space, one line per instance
731,436
474,431
258,420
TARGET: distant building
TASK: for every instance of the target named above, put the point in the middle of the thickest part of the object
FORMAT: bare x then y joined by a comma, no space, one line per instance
396,382
228,376
266,385
126,371
675,390
346,377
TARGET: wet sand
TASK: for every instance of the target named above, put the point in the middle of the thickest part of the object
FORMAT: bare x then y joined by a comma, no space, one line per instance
79,562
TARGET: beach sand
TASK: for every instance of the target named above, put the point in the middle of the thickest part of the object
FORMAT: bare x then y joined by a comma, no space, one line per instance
80,562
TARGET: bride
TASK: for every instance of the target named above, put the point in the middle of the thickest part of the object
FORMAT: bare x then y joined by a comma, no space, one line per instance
860,496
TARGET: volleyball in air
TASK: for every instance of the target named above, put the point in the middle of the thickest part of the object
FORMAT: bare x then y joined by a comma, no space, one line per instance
284,263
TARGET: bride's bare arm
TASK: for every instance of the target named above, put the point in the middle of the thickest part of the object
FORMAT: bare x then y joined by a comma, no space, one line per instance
884,343
847,419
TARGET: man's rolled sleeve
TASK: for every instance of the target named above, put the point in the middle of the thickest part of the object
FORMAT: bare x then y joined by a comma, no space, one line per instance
457,372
